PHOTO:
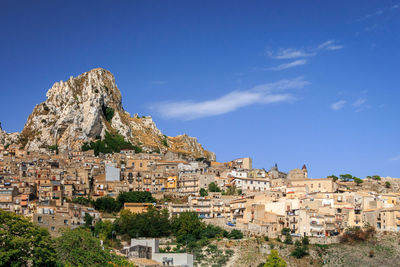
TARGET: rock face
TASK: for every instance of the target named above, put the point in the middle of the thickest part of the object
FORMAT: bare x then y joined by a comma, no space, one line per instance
8,138
82,109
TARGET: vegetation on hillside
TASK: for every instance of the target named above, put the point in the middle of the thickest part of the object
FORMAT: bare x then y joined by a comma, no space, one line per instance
112,143
24,244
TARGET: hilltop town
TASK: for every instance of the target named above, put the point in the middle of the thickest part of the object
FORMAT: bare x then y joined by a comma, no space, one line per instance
233,195
83,161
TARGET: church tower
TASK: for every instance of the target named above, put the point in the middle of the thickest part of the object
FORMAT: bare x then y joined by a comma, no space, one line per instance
304,169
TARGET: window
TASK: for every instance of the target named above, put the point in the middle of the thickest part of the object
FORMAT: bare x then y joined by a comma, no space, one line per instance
66,222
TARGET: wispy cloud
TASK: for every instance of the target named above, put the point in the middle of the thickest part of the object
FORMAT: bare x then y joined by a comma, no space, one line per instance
338,105
360,104
396,158
262,94
329,45
158,82
290,53
292,64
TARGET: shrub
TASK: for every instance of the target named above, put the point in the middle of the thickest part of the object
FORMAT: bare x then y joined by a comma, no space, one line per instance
288,239
387,184
108,113
356,234
305,240
213,187
235,234
300,251
164,141
203,192
285,231
274,260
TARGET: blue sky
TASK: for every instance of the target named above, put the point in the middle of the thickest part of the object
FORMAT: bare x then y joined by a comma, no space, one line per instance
287,82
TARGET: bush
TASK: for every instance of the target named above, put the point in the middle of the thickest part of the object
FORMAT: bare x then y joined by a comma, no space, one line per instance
305,240
274,260
285,231
387,184
108,113
164,141
213,187
235,234
288,239
356,234
300,251
203,192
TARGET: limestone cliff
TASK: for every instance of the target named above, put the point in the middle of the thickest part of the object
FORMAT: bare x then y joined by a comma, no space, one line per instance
8,138
83,108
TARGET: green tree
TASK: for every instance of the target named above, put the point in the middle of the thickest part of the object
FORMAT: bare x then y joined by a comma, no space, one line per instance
305,240
79,248
288,239
187,227
274,260
88,220
346,177
24,244
285,231
83,201
135,197
104,229
153,223
376,178
333,177
107,204
235,234
387,184
300,251
203,192
358,181
213,187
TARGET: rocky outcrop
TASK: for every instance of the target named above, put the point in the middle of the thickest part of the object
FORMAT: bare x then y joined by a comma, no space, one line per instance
82,109
8,138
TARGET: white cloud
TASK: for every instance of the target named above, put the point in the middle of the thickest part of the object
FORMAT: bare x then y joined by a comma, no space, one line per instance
359,102
395,158
261,94
395,6
338,105
329,45
289,53
284,66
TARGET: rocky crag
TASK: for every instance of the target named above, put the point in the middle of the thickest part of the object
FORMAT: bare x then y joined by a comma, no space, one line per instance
83,108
